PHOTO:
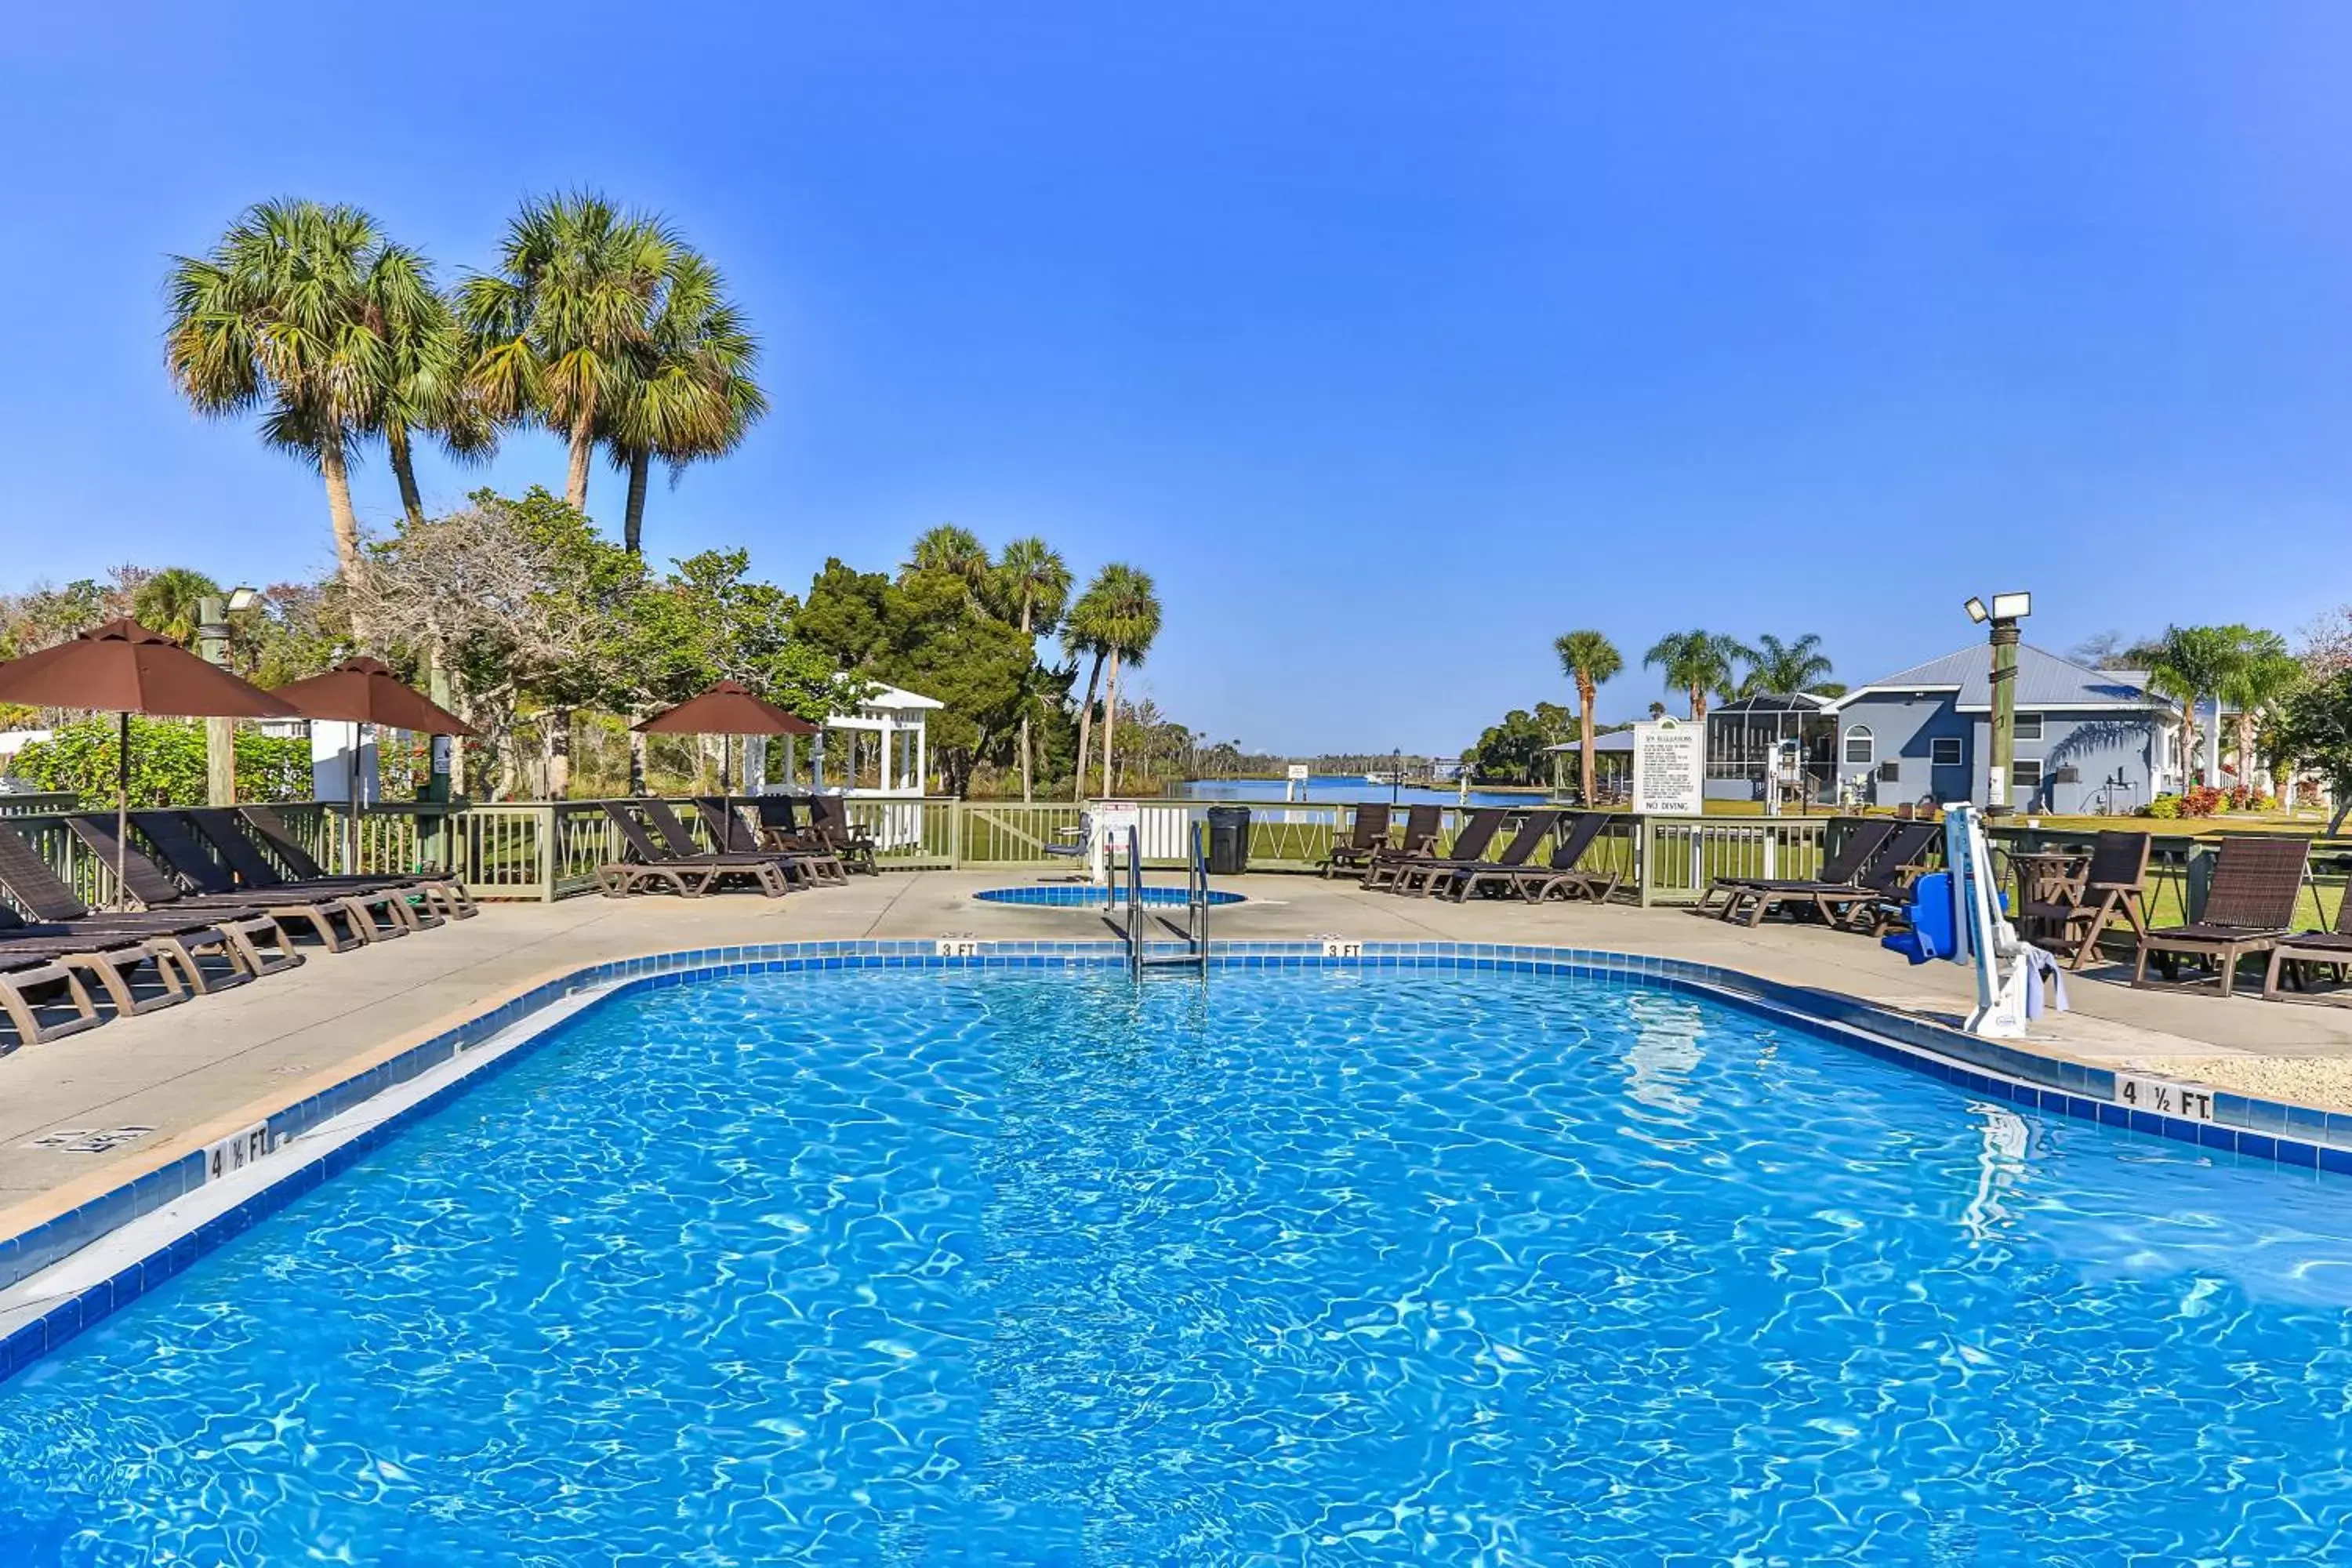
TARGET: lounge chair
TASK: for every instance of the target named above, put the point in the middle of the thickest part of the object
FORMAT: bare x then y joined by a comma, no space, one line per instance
155,890
690,875
723,819
1469,846
829,820
678,843
2110,885
249,945
2249,908
1563,874
1366,837
446,894
239,870
1864,840
1902,852
1424,877
1420,843
2294,958
32,963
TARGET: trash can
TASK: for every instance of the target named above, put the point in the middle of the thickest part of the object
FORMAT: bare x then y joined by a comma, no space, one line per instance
1229,828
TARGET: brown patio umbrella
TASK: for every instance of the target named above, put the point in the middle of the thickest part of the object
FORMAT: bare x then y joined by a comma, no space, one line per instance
729,709
366,692
123,669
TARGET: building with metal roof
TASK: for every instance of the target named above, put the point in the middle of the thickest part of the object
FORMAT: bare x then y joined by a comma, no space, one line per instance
2087,741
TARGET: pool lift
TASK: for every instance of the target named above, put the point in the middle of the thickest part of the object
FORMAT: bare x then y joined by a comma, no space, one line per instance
1959,915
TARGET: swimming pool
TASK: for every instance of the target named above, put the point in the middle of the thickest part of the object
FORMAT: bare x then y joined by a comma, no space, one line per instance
1405,1266
1079,895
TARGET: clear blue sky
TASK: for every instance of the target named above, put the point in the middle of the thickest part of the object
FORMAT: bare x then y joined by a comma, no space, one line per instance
1393,340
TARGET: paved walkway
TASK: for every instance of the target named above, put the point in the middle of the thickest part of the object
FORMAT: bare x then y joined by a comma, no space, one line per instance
216,1063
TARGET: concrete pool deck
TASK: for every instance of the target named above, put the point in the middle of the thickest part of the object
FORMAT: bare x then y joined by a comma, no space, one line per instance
190,1074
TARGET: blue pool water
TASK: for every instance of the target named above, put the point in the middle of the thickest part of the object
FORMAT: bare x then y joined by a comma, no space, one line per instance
1073,896
1403,1267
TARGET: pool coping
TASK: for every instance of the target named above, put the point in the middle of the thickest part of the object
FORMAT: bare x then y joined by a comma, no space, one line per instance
300,1142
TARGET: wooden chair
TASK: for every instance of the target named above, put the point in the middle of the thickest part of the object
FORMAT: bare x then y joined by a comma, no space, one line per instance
2110,885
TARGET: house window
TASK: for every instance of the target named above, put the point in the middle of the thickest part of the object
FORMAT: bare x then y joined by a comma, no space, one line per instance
1857,746
1944,751
2025,774
1890,772
2029,727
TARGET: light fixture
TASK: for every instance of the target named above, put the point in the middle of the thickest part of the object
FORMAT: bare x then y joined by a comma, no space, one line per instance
243,599
2012,607
1976,611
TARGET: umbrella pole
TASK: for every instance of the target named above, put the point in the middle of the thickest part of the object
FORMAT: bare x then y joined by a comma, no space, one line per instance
352,803
122,810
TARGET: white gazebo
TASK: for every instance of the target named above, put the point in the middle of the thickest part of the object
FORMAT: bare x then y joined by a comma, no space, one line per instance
890,723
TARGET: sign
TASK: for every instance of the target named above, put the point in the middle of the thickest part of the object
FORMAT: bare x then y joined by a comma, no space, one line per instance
236,1151
90,1139
2154,1094
1295,772
1340,947
956,947
1670,768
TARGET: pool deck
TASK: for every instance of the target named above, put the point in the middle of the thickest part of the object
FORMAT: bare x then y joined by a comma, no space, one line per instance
195,1073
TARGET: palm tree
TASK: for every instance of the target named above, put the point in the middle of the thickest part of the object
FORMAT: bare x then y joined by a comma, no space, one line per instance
1588,658
2265,673
1786,668
685,393
424,387
1034,582
554,327
172,602
1116,620
279,318
2192,665
1696,662
956,552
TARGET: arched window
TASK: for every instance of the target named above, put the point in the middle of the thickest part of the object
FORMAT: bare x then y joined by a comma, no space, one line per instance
1858,747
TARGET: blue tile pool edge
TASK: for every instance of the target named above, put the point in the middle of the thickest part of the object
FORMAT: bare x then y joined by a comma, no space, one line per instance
2290,1135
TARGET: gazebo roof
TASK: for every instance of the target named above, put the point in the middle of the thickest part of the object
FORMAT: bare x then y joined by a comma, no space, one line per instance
1774,702
900,700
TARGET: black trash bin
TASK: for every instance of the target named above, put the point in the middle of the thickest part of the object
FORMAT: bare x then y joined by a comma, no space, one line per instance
1228,840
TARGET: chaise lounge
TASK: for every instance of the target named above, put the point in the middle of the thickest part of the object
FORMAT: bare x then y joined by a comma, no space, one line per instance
2249,908
1367,837
1423,878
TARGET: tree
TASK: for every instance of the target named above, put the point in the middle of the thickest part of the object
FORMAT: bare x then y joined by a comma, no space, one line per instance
2327,643
1033,582
1513,750
1588,658
2313,727
954,552
172,602
2263,673
1785,668
556,327
684,392
425,385
2191,667
926,633
1116,619
280,317
1696,662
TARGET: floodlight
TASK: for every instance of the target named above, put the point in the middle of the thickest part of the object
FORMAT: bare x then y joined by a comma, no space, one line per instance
242,599
2012,607
1976,611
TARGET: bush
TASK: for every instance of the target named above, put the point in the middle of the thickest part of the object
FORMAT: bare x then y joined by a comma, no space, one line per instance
167,762
2164,807
2203,800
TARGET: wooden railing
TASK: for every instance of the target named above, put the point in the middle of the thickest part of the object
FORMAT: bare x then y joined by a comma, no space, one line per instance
540,850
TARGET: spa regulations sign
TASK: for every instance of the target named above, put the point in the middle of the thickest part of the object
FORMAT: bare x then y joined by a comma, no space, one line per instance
1670,768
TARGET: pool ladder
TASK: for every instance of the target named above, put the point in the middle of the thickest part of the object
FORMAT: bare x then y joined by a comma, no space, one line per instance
1136,929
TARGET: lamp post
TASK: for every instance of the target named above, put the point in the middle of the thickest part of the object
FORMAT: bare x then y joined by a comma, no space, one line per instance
2002,616
1396,774
220,734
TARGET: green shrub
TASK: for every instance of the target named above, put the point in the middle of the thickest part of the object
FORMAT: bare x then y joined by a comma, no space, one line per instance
167,762
2165,807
